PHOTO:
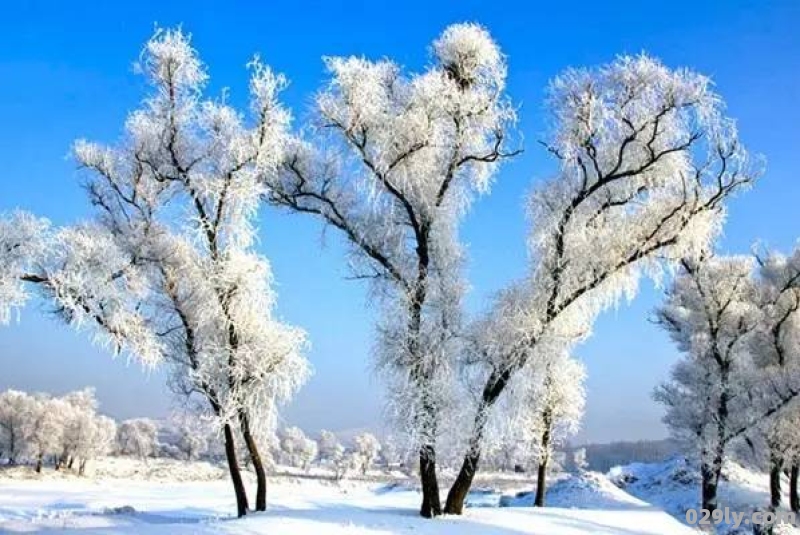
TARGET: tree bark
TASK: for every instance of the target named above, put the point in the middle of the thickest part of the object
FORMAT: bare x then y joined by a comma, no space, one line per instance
236,474
541,475
710,474
541,483
775,472
460,488
794,498
258,465
431,504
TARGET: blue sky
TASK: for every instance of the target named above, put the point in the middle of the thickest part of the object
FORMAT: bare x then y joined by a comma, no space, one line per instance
65,72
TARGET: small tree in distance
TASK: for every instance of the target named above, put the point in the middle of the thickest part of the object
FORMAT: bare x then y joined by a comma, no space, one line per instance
367,448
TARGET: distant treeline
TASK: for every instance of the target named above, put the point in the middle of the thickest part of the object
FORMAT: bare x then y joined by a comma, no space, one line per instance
603,457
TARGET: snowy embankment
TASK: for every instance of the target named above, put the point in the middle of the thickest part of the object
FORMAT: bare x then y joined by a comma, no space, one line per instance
583,505
674,486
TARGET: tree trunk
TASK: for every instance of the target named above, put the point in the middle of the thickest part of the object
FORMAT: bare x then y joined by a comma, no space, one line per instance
82,467
710,474
460,489
39,464
71,462
794,499
775,472
458,492
236,474
258,465
541,483
541,475
431,504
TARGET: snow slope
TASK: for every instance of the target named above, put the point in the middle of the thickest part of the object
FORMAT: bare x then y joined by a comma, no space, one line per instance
300,506
674,486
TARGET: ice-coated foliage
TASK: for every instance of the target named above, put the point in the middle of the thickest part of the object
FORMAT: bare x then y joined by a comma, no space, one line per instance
552,406
298,450
405,155
775,349
709,312
15,415
177,201
35,426
46,429
22,244
191,434
87,435
542,409
138,437
647,159
776,341
367,447
330,449
736,387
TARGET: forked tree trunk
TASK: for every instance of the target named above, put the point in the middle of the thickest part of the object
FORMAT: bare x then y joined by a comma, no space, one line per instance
794,499
431,504
775,472
236,474
258,464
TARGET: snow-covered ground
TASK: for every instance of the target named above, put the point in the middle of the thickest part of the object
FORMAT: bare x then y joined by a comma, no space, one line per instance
674,486
115,500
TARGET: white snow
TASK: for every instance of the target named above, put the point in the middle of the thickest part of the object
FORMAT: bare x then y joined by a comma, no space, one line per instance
674,486
106,504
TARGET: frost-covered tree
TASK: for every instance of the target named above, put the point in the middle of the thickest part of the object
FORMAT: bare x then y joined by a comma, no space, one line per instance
86,435
775,346
98,438
367,448
46,428
407,155
541,411
646,161
329,446
390,453
16,410
332,453
292,445
551,413
192,434
138,437
22,245
709,312
308,453
167,270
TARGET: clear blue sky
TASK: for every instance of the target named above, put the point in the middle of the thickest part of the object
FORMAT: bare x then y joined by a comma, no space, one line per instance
65,72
